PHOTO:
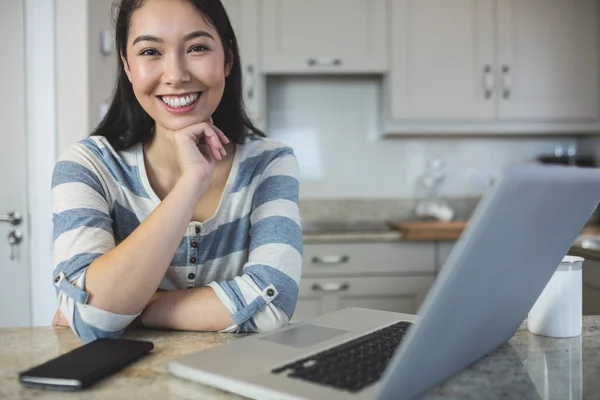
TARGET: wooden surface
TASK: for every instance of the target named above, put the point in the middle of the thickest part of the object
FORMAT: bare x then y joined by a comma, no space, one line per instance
435,230
429,230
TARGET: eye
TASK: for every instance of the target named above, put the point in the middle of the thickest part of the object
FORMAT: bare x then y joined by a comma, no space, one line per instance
199,49
149,52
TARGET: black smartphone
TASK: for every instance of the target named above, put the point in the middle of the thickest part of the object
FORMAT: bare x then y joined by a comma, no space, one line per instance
85,365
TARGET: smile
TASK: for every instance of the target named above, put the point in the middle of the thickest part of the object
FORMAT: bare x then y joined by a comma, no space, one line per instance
177,102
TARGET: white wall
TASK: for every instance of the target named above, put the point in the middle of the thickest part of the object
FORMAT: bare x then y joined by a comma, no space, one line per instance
41,139
332,123
72,76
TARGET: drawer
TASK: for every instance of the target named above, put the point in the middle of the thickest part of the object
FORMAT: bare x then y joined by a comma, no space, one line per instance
398,294
368,258
443,252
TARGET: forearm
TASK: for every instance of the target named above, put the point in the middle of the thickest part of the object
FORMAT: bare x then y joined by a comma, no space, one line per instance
124,279
191,310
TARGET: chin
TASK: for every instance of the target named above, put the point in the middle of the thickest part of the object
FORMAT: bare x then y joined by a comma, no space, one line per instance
177,123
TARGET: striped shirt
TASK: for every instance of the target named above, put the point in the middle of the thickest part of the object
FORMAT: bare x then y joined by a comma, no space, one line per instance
249,252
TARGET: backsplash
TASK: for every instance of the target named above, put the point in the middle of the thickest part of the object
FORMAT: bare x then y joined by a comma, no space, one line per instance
325,211
332,124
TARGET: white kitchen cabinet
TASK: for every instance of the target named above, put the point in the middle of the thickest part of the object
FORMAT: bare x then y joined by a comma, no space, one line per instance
368,259
243,15
493,66
443,250
392,276
398,294
442,59
324,36
548,59
591,288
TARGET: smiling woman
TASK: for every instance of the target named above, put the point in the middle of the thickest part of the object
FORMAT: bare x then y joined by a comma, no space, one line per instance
176,210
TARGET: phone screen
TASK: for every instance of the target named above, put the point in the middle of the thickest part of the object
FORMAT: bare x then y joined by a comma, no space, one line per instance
85,365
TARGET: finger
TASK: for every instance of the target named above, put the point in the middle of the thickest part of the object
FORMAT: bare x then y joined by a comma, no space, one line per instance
222,135
221,138
212,144
213,140
206,151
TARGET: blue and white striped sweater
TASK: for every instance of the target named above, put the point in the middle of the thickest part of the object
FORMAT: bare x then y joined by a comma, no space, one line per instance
249,252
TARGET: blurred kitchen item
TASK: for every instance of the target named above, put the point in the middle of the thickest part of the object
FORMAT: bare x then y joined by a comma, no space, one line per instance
558,310
568,156
429,205
429,230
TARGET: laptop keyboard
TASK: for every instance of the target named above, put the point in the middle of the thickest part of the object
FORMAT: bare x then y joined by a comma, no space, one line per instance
353,365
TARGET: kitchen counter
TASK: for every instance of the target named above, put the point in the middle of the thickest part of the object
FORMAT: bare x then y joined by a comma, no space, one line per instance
526,367
382,233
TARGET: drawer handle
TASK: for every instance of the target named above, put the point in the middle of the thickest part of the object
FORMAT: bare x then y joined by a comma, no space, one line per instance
330,260
324,62
330,287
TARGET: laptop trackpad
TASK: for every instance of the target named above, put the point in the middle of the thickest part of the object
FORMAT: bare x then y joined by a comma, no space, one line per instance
304,335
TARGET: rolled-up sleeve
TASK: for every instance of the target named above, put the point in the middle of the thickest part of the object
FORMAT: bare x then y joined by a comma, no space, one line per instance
82,232
265,296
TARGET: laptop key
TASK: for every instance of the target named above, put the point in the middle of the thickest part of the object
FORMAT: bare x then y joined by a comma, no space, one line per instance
353,365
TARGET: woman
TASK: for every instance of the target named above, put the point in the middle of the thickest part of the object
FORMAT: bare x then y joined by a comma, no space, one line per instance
176,213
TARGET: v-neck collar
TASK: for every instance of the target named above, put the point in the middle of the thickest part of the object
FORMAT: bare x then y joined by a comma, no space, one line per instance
143,175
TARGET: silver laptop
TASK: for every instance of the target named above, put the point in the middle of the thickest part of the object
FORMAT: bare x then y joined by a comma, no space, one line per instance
513,243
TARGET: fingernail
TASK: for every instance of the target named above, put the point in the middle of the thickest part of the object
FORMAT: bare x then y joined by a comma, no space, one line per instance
223,151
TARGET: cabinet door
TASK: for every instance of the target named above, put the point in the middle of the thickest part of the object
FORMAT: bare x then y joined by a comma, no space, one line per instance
370,259
243,15
397,294
591,288
548,59
442,64
443,250
324,36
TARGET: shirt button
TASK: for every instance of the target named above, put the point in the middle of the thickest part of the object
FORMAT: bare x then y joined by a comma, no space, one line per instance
57,279
270,293
197,230
191,275
194,244
193,260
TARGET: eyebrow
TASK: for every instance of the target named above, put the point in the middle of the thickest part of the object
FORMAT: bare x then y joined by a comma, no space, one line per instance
189,36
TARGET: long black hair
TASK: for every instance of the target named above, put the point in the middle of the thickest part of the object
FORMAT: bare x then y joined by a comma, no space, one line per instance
127,123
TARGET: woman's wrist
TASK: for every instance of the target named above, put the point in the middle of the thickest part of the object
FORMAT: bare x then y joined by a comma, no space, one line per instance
193,184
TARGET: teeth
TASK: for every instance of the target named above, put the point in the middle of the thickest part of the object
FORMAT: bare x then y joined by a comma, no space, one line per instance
178,102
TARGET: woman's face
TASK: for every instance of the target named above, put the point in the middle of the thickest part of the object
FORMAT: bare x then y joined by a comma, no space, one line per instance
175,63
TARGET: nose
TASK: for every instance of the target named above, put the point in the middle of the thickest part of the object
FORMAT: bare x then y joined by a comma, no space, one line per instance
176,72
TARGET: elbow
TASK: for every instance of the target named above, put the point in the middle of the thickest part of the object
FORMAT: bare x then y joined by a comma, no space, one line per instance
267,320
272,326
87,332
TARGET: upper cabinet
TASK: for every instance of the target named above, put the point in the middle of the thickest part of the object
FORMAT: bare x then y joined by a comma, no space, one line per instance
243,15
497,65
548,59
324,36
442,56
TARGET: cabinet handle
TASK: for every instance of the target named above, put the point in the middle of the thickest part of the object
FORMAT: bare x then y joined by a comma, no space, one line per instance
324,62
488,81
331,287
507,81
249,78
330,260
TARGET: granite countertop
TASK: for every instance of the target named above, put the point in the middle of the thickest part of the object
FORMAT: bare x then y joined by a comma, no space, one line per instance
526,367
382,232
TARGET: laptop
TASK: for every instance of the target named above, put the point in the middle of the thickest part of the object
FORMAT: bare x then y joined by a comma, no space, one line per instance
513,243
